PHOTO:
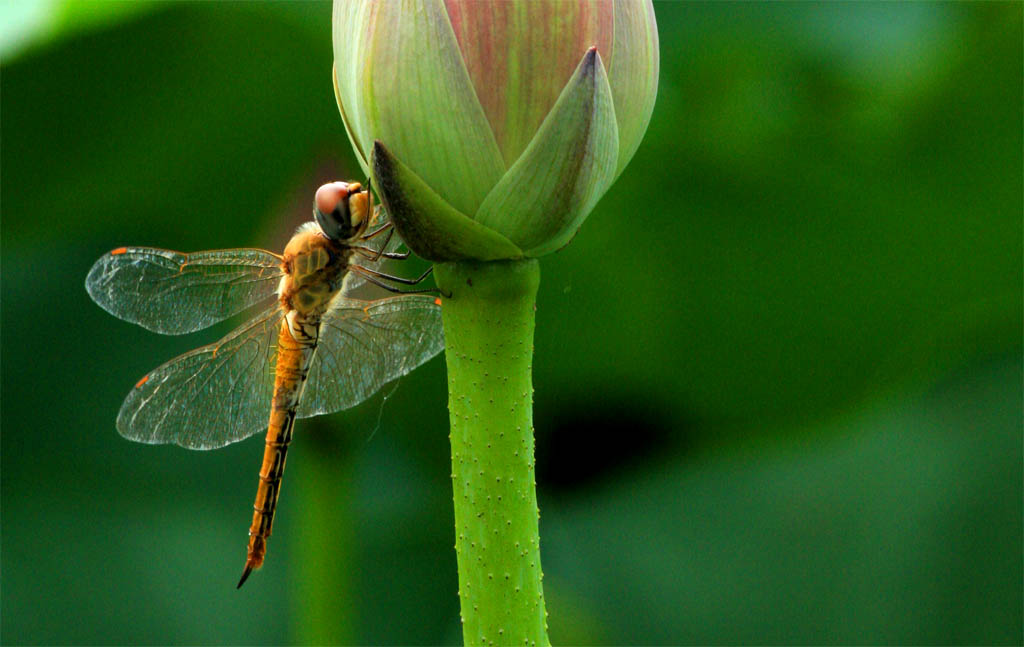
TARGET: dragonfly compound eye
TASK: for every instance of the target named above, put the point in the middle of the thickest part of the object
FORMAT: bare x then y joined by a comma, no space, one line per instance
331,210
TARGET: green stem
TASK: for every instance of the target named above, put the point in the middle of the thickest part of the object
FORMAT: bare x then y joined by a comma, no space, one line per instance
488,315
325,609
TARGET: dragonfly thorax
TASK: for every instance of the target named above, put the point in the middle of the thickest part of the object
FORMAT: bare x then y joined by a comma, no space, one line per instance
314,268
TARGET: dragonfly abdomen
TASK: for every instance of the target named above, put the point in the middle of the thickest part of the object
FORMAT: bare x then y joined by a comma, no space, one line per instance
296,346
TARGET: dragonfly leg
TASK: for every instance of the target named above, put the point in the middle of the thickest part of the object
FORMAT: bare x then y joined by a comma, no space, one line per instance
375,254
377,232
398,256
389,277
378,278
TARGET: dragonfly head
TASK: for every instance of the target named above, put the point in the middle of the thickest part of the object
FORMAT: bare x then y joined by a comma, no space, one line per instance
342,210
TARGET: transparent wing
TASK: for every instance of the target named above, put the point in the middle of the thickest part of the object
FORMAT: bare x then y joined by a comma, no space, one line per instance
209,397
366,344
174,293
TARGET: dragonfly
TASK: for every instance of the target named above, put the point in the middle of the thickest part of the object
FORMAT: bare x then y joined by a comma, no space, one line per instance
312,348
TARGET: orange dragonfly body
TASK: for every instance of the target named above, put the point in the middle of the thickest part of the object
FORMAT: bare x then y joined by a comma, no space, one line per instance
330,350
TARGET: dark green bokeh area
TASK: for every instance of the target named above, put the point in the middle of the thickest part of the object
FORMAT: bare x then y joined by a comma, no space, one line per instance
778,372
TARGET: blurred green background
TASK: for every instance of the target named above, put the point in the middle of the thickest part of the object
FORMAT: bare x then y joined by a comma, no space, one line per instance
778,373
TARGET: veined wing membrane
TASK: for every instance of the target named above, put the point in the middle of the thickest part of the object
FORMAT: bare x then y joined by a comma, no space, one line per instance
174,293
366,344
209,397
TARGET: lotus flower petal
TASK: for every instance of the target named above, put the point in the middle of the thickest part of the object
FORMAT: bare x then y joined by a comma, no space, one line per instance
633,74
356,146
570,163
414,94
521,54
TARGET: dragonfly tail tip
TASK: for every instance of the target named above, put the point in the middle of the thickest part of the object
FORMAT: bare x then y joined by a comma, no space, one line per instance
245,575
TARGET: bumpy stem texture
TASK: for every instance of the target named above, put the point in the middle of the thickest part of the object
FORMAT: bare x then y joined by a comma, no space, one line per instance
488,315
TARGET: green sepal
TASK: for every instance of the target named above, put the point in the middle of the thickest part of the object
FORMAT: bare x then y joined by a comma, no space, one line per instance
431,227
571,161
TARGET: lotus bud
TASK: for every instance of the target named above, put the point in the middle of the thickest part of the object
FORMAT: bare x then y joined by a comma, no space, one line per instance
492,127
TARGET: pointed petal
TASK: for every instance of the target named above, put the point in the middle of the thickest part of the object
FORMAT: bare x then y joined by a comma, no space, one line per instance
412,87
430,226
633,74
520,54
544,198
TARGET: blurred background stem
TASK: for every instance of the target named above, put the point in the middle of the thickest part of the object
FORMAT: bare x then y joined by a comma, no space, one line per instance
324,610
488,314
